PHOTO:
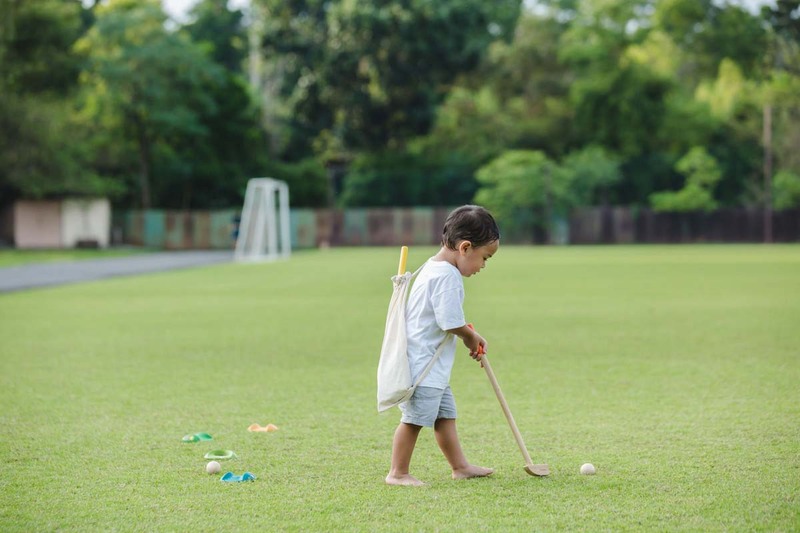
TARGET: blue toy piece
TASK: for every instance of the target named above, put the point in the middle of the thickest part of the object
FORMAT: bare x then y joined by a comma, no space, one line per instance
231,478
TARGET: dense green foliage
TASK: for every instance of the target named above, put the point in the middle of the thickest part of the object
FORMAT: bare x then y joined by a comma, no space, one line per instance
399,103
787,190
370,74
673,370
37,70
403,178
525,189
702,174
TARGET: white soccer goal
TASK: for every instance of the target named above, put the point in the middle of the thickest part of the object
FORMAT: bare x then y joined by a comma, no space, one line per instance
264,232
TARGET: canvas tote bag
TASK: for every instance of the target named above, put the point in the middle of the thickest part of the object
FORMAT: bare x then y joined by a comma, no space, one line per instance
394,371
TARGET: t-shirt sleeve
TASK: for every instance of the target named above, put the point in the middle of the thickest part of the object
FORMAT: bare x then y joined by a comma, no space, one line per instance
447,300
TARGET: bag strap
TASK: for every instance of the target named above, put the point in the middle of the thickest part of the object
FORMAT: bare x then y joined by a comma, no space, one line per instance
411,279
417,271
433,360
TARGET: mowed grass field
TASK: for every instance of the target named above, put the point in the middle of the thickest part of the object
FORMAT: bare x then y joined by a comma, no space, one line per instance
10,257
674,370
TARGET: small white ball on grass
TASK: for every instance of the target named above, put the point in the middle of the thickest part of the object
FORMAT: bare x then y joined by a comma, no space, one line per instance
587,469
213,467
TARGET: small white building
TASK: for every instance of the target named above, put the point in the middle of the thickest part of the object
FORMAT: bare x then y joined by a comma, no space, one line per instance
67,223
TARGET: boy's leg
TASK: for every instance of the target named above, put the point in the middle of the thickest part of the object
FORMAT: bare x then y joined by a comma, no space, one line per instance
405,438
418,412
447,438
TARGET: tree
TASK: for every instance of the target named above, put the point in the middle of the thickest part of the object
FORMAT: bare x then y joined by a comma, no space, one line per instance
385,179
780,86
702,174
307,181
592,172
38,77
372,73
621,110
712,32
525,189
35,159
520,96
391,178
521,188
786,190
211,169
733,129
724,93
35,45
473,126
222,30
149,83
619,103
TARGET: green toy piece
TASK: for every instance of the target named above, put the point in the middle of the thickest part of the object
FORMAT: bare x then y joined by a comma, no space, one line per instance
220,455
197,437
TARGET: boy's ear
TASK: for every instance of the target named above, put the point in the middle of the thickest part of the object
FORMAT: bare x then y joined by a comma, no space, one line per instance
464,246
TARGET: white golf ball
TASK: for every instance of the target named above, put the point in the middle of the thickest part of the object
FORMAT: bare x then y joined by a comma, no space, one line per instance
587,469
213,467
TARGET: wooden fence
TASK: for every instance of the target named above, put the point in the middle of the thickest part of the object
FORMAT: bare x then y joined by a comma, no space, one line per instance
619,225
312,228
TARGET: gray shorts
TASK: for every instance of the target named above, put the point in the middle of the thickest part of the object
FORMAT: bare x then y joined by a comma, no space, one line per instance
427,405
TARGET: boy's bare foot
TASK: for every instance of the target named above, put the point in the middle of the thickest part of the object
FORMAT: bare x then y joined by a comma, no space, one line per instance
472,471
407,480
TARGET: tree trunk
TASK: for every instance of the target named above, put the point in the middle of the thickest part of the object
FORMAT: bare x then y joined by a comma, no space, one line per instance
548,205
767,173
144,163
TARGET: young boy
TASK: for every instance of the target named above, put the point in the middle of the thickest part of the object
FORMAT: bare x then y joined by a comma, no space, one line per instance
434,310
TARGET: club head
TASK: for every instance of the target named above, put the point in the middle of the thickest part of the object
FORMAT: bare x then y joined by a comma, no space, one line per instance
538,470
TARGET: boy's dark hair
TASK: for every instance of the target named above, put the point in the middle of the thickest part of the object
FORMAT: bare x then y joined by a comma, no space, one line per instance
470,223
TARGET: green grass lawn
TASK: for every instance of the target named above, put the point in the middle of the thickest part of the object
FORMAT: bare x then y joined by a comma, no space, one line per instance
13,257
674,370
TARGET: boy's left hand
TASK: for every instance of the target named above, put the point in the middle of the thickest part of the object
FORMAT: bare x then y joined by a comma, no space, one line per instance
472,339
477,348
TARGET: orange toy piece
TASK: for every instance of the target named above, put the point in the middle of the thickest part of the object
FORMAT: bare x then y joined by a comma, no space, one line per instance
267,429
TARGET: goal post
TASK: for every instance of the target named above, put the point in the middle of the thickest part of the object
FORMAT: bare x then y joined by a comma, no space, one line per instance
264,228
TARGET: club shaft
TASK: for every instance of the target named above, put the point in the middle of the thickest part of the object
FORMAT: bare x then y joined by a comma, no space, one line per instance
506,410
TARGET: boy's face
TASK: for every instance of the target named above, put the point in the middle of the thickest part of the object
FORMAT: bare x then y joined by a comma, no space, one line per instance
471,259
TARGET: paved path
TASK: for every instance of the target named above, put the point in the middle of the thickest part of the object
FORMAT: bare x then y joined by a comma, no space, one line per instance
21,277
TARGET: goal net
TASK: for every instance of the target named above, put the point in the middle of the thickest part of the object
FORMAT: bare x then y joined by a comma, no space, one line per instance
264,226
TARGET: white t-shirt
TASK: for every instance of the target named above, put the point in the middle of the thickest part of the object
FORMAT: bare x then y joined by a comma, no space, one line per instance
434,306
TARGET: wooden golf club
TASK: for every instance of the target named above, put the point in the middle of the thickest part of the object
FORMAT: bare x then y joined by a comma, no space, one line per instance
532,469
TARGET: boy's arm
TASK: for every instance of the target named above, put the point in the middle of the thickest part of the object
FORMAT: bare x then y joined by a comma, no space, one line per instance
472,340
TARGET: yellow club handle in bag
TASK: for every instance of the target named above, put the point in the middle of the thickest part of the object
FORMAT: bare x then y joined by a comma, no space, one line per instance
401,268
